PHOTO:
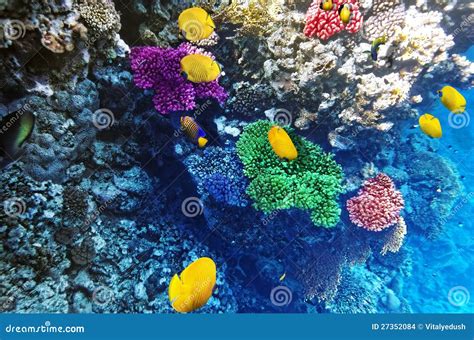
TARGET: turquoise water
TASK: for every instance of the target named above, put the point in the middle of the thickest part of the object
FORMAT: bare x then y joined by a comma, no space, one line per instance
447,262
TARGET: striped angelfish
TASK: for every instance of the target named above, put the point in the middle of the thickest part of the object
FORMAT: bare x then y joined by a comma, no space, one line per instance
193,131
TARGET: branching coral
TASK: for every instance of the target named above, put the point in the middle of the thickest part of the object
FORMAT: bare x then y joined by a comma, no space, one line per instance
310,182
394,240
218,173
159,69
377,205
325,23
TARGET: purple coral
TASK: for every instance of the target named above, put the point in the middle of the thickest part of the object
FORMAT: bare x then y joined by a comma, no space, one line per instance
159,69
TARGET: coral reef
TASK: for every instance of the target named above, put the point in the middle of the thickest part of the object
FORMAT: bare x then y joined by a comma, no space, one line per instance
310,182
159,69
377,204
218,173
64,131
385,18
100,16
395,239
325,23
91,216
253,17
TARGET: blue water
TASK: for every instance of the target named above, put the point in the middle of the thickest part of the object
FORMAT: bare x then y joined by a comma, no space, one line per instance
447,262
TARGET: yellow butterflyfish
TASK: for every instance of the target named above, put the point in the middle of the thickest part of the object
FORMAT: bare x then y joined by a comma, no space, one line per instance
345,13
452,99
193,288
195,24
199,68
430,125
327,5
281,143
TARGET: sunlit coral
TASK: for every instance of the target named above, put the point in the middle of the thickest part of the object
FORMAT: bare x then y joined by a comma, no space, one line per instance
394,240
324,24
377,205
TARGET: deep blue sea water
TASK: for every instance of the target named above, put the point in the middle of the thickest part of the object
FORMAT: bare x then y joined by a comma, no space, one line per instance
447,262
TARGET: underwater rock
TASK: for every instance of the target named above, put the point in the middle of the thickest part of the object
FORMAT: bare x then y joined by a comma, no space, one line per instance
64,131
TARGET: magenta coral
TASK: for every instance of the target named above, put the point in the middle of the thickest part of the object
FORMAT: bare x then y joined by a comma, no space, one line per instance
159,69
325,24
377,205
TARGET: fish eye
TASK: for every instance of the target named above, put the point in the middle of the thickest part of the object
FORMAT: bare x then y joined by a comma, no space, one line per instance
184,75
341,7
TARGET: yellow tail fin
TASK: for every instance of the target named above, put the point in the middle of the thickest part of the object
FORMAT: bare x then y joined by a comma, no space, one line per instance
202,142
175,288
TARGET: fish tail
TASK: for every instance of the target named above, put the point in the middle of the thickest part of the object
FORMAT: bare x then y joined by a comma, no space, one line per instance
175,288
202,142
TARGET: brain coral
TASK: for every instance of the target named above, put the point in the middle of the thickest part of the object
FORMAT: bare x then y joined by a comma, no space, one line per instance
325,24
310,182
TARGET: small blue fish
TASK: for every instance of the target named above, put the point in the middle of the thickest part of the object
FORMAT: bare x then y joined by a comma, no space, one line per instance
193,131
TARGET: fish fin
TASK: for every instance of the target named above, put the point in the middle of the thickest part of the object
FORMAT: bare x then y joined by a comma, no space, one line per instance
210,22
26,127
175,288
202,142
